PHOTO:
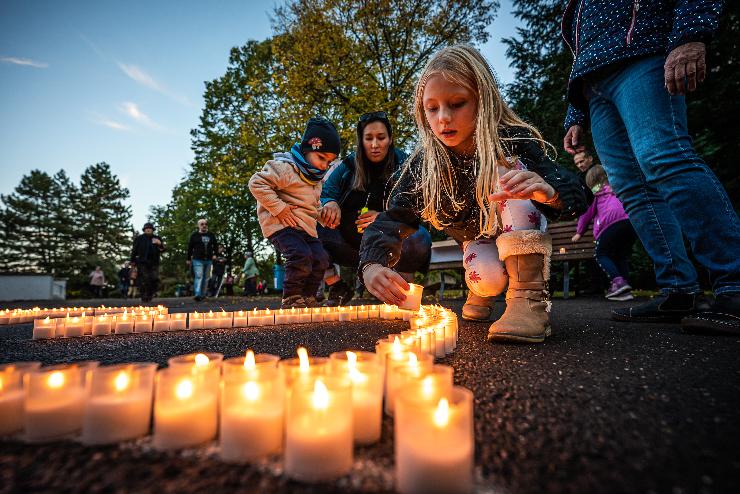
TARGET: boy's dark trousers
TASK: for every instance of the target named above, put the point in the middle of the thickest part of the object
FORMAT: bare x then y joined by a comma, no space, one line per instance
305,261
148,280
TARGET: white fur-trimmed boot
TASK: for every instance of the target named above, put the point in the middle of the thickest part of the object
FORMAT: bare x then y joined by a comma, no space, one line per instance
526,254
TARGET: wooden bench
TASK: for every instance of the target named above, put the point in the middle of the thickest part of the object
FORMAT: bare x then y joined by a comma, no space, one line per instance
447,254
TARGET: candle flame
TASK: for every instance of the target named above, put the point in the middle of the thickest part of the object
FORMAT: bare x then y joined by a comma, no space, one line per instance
122,381
1,383
55,380
201,360
210,313
442,413
351,360
303,359
396,346
427,387
292,310
267,311
320,395
47,319
75,319
249,362
413,361
251,391
184,389
254,311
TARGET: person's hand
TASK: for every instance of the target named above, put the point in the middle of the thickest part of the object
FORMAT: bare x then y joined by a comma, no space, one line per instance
687,61
286,216
156,241
387,285
523,184
576,237
331,213
365,219
573,142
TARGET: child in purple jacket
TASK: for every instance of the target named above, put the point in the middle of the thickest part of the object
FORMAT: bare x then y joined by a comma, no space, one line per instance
613,233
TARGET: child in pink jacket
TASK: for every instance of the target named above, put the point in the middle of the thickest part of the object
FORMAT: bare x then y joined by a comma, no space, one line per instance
613,233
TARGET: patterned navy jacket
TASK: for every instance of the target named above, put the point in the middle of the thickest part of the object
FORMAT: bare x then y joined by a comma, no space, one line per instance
606,32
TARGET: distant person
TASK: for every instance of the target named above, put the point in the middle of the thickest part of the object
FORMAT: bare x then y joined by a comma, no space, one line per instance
613,233
97,282
583,160
250,273
145,255
219,269
124,279
229,284
287,190
202,249
631,71
133,277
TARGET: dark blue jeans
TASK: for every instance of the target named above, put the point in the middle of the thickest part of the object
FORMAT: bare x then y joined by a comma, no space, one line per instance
641,136
613,249
305,261
415,251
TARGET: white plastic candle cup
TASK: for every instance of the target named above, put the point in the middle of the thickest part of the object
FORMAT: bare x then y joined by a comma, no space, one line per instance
317,315
429,385
387,311
12,395
87,324
292,372
124,324
178,322
198,361
268,317
226,319
384,347
44,328
366,378
373,311
195,320
344,314
252,414
434,443
74,326
261,361
241,319
331,314
161,322
439,339
185,407
318,442
143,324
102,325
54,402
119,403
304,315
211,320
362,312
282,317
411,361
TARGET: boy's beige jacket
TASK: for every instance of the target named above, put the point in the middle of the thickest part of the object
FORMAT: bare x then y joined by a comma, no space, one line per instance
278,186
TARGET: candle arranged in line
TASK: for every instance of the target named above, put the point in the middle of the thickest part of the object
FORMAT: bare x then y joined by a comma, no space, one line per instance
54,402
12,395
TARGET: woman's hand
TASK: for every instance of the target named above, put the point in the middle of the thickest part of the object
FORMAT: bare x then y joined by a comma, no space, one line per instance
385,284
573,141
286,217
331,213
365,219
576,237
523,184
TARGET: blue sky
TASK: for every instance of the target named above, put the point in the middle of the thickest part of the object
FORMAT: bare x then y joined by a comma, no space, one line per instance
121,82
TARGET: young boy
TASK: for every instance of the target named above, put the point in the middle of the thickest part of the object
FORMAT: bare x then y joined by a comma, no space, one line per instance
287,191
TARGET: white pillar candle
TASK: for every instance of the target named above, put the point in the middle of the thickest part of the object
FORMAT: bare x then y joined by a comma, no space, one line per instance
362,312
185,408
434,444
365,375
226,319
318,443
304,315
293,316
12,395
281,316
119,404
344,314
413,297
102,325
195,320
252,414
178,321
143,324
254,318
74,326
44,328
161,322
412,361
124,324
317,315
268,318
211,320
54,404
241,319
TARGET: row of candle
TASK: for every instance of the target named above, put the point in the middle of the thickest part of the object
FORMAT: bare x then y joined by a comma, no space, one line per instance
151,321
20,316
311,410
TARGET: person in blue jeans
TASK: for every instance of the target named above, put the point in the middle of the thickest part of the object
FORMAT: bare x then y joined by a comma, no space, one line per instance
634,63
202,249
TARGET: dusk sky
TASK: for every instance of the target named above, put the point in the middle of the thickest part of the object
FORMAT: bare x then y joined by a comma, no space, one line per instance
88,81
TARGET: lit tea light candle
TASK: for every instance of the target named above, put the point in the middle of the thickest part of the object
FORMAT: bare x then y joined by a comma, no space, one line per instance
317,315
281,317
562,250
439,340
318,444
124,324
293,316
387,311
12,395
101,325
4,317
178,322
362,312
44,328
303,367
74,326
195,320
196,361
161,322
268,318
250,362
226,319
414,362
434,444
185,407
87,324
344,314
119,403
413,298
241,319
54,403
373,311
143,324
304,315
211,320
252,414
365,375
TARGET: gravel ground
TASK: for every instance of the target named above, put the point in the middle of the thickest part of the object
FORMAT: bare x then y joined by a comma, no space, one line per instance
600,407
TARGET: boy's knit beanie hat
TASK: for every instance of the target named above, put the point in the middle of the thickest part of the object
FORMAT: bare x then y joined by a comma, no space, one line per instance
320,136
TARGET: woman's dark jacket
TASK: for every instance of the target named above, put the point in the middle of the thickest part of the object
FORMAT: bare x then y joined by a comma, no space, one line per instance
383,238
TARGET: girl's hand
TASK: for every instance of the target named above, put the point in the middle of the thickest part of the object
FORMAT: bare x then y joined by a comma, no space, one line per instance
523,184
385,284
364,220
331,213
576,237
286,217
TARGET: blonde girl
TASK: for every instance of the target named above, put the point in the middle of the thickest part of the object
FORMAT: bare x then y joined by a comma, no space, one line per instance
480,174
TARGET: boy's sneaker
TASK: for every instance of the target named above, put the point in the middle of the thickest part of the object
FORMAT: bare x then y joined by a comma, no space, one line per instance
339,294
670,308
722,317
293,301
618,287
622,297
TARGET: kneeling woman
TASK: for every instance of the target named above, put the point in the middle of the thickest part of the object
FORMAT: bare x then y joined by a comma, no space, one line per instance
354,195
480,174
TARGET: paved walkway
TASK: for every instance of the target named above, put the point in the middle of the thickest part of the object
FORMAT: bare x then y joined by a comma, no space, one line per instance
600,407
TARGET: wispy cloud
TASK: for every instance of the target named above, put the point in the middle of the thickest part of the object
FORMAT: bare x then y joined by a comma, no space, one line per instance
24,61
93,46
107,122
133,111
140,76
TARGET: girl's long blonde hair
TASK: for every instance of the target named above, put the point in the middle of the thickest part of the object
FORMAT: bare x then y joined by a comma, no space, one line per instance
464,65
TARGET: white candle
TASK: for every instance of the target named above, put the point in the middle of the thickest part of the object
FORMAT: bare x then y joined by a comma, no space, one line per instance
74,326
362,312
143,324
161,322
268,318
319,430
412,361
281,317
178,322
197,361
365,375
44,328
254,318
119,403
317,315
211,320
304,315
413,297
186,408
241,319
293,316
344,314
12,395
124,324
195,320
303,367
54,403
101,325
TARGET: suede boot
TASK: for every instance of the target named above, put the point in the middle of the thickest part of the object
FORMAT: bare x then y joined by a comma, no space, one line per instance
478,308
526,254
